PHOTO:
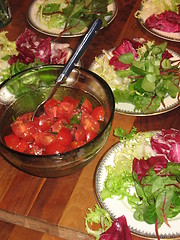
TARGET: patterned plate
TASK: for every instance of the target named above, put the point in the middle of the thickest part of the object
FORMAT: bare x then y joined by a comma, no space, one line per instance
117,208
37,25
128,108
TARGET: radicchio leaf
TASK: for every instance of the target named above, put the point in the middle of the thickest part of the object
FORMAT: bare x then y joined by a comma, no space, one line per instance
59,53
167,142
168,21
118,230
141,167
31,47
174,153
125,47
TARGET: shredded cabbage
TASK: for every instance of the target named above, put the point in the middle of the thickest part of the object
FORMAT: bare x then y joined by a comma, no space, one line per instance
7,49
102,67
150,7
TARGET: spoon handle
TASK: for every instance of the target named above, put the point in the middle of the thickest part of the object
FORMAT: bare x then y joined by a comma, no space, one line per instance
75,57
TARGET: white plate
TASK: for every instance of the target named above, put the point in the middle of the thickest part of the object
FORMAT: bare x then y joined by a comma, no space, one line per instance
164,35
37,25
117,208
128,108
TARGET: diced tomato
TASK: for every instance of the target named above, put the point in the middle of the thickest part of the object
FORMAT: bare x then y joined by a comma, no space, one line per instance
80,133
46,138
64,136
90,135
98,113
55,147
62,127
35,149
87,106
77,144
71,100
24,129
65,109
44,122
26,117
89,123
58,124
16,143
51,106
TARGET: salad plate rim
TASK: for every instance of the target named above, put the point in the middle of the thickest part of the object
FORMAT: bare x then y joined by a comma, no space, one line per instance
55,33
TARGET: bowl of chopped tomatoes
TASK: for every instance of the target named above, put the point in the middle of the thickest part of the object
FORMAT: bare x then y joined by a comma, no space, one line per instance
72,130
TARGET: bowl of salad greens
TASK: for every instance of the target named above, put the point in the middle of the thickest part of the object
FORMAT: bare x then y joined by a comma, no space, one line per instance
71,132
69,18
143,75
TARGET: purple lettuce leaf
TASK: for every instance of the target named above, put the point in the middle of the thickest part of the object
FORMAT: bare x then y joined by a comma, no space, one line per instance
168,21
167,142
118,231
141,167
125,47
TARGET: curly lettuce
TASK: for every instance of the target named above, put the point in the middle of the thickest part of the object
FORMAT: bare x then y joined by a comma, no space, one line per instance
150,7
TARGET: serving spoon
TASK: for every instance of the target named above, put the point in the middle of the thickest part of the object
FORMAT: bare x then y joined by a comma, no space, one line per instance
69,66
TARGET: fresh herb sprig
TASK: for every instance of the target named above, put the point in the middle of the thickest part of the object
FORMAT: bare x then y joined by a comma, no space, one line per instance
123,135
159,194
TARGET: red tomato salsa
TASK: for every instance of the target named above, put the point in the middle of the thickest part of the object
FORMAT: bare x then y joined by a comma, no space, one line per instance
65,125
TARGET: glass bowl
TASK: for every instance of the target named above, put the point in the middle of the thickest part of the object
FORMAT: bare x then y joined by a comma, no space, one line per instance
24,91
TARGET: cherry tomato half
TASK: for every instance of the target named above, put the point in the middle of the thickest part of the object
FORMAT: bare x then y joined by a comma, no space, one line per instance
89,123
86,106
55,147
98,113
16,143
51,106
80,133
64,136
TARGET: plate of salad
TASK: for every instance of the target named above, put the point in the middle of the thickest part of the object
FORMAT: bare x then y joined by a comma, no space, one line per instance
28,51
143,76
139,177
161,18
61,18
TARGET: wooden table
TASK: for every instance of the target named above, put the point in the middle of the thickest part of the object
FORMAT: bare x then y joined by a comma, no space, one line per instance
48,209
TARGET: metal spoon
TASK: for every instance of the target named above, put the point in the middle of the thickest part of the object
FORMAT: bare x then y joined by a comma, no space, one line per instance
90,34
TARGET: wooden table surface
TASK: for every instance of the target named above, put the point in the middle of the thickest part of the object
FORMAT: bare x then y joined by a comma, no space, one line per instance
49,209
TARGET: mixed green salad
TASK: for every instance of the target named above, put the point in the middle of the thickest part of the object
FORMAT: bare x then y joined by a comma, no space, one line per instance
150,7
146,172
28,51
141,73
72,16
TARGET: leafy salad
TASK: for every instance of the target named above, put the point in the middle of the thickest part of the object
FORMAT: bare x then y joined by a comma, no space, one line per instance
108,229
71,16
27,51
146,172
163,15
140,73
